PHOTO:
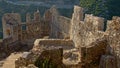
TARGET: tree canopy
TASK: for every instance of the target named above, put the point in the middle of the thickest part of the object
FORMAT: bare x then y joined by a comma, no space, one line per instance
102,8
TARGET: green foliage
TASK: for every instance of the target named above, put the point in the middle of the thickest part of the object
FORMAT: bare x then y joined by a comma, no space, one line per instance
45,64
102,8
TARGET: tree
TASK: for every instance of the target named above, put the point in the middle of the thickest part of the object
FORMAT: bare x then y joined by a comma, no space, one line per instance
96,7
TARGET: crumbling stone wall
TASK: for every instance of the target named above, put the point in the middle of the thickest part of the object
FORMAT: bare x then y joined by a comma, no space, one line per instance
35,57
17,30
108,61
52,24
113,38
87,40
47,24
90,56
2,51
85,32
10,23
76,18
10,46
64,26
32,27
60,25
33,30
64,43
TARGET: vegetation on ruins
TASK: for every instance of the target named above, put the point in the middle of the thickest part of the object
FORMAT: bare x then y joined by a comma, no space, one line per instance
45,64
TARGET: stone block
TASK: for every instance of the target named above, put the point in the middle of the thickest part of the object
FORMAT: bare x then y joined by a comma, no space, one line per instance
107,61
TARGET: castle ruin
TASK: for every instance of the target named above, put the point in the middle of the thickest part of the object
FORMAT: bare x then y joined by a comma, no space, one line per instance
80,42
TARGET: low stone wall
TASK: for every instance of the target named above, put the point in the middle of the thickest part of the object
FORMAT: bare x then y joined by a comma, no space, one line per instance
7,47
64,43
8,41
13,47
90,56
54,55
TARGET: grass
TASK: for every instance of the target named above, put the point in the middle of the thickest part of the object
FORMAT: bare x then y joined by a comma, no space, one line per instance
45,64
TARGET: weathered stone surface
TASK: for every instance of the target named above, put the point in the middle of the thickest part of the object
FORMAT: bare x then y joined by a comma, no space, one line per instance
67,55
59,24
107,61
8,21
64,43
31,66
91,55
85,32
71,57
83,40
37,16
76,18
2,51
54,54
113,29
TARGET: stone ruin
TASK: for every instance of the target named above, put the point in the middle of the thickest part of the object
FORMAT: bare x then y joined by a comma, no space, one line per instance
80,42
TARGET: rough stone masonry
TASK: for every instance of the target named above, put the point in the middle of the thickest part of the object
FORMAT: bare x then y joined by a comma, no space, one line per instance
79,42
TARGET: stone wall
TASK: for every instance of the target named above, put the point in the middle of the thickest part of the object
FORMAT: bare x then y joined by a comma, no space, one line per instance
64,26
84,40
52,24
8,41
10,23
36,57
10,46
7,46
113,31
2,51
85,32
107,61
64,43
33,30
47,25
60,25
90,56
76,18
